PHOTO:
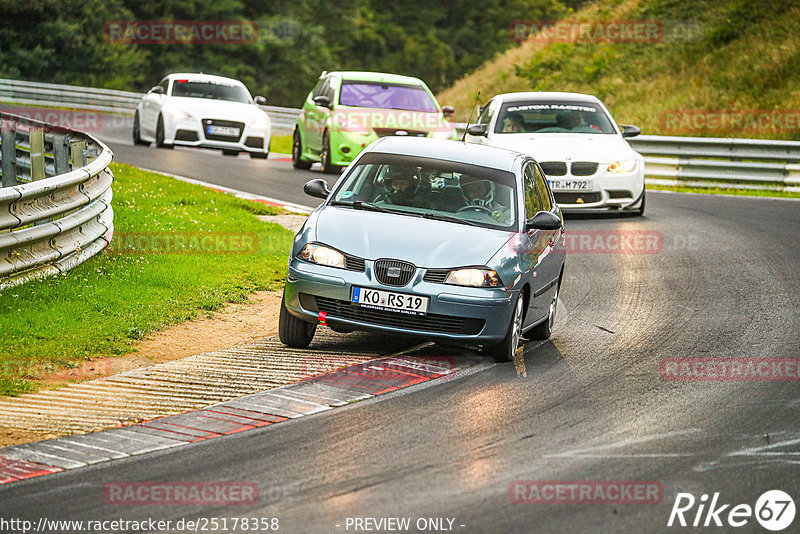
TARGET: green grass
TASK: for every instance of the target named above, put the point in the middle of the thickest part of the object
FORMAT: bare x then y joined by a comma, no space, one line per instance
746,58
725,191
281,144
103,306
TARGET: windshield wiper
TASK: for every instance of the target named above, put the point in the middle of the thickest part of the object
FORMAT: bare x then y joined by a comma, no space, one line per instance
448,218
359,205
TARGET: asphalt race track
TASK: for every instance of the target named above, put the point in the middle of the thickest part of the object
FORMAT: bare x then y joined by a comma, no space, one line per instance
719,280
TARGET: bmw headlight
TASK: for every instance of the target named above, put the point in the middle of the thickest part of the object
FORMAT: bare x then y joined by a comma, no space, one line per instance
179,114
260,123
322,255
624,165
473,277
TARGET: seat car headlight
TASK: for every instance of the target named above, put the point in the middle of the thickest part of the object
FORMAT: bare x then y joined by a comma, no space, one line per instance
322,255
624,165
260,123
179,114
473,277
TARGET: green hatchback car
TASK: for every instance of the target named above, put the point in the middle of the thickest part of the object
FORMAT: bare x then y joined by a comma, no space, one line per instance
346,111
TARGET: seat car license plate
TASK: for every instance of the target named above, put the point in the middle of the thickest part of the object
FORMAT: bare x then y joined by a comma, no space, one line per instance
222,130
389,301
570,185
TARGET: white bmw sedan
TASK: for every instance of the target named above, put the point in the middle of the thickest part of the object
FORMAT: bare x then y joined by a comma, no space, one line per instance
205,111
583,152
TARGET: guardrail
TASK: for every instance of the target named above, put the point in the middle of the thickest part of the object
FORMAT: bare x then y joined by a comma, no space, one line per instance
107,100
55,199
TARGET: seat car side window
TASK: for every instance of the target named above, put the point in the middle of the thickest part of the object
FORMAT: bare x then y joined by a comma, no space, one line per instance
533,201
541,187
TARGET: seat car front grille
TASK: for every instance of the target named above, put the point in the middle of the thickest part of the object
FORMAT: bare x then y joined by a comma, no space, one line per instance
394,272
431,322
436,276
583,168
554,168
353,263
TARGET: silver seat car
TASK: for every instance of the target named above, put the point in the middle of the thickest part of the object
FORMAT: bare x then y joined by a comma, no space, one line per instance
457,243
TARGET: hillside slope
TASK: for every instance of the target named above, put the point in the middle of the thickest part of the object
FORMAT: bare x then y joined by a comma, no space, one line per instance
735,77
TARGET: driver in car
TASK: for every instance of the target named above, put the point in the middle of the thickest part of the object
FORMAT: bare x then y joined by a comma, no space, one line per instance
479,193
402,186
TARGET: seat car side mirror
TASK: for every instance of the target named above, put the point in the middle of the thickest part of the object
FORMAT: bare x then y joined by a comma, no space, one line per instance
317,188
544,220
260,100
322,101
478,130
629,130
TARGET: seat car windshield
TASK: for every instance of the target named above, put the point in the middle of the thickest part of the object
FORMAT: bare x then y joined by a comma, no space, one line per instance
386,96
553,117
213,91
432,188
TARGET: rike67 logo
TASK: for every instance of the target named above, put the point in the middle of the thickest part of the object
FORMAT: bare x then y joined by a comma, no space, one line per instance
774,510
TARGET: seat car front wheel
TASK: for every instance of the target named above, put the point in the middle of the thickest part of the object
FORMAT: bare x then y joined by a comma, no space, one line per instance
504,352
292,331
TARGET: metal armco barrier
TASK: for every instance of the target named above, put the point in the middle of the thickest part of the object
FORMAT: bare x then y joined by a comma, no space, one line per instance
106,100
55,203
711,162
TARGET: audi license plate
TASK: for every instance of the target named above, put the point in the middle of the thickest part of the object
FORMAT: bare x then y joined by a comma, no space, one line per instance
386,300
222,130
570,185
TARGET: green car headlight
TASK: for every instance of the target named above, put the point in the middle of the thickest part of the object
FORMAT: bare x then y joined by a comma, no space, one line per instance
322,255
474,277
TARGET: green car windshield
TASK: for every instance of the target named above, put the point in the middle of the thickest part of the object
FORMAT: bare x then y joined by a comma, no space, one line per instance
432,188
386,96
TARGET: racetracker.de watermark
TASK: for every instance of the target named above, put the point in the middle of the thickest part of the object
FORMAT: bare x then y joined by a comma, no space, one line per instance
729,120
180,493
181,32
605,31
365,122
57,119
426,366
585,492
730,369
139,243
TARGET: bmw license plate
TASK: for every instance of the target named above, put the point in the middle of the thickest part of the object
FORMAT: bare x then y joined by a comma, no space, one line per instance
222,130
570,185
390,301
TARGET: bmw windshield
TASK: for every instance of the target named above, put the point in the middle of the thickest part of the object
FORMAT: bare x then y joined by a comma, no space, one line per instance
431,188
553,117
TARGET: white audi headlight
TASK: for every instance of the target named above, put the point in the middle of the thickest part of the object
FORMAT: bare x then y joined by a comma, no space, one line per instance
179,114
260,123
623,165
473,277
322,255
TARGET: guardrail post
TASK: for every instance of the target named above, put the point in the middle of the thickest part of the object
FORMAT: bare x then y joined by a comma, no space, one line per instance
37,153
76,149
61,154
8,138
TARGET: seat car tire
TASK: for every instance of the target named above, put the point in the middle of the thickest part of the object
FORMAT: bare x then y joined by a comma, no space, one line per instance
292,331
504,352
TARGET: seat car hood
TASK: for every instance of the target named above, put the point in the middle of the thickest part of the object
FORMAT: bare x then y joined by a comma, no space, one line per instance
204,108
423,242
603,148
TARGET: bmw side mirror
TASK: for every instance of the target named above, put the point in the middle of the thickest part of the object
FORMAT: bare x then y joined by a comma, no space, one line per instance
629,130
317,188
448,111
322,101
544,220
157,90
478,130
260,100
